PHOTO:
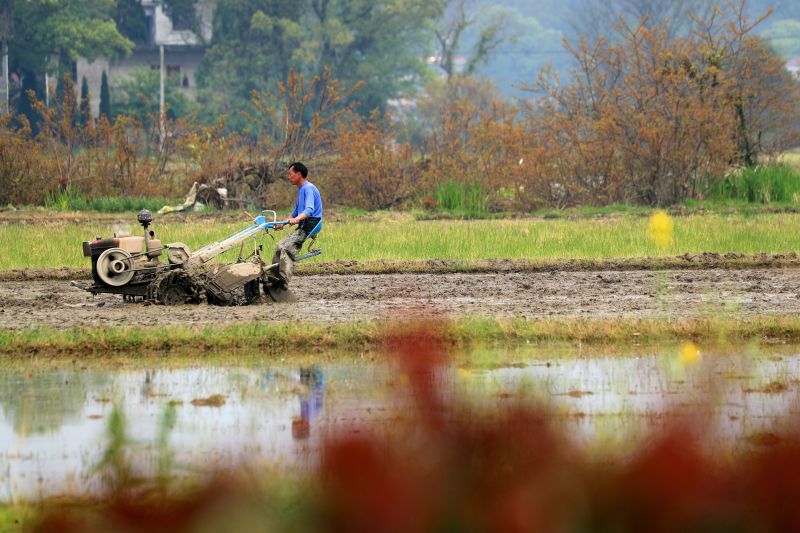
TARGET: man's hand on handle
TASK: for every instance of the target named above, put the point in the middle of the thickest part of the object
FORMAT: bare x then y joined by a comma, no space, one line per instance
292,221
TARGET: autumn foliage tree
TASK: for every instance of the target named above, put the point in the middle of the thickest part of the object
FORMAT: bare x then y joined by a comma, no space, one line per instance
475,137
761,93
649,118
295,122
372,168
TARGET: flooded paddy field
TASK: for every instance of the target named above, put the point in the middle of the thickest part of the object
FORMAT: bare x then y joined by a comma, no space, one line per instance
346,298
184,419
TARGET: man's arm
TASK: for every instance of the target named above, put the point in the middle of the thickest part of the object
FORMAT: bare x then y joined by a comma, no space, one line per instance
299,218
308,209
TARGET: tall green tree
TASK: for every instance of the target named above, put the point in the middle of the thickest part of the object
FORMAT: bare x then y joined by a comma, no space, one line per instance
131,21
138,98
25,102
48,33
183,14
84,108
256,43
105,98
380,43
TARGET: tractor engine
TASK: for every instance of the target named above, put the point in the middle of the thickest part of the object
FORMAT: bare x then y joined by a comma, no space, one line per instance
125,260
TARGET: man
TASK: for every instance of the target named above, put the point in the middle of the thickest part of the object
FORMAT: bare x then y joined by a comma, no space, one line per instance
306,215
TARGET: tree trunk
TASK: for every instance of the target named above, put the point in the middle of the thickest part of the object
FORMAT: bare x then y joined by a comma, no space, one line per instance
6,31
745,148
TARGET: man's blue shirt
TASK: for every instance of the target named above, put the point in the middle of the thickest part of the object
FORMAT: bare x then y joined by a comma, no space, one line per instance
308,201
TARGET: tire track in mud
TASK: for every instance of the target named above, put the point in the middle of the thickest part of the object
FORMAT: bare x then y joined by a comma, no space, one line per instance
343,298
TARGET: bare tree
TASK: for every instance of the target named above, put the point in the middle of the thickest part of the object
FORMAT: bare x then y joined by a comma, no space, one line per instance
597,18
456,19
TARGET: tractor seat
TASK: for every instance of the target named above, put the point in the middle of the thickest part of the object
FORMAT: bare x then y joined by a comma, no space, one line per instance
317,229
312,239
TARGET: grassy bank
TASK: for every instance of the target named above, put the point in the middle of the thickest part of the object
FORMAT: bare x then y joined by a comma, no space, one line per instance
14,517
278,340
401,238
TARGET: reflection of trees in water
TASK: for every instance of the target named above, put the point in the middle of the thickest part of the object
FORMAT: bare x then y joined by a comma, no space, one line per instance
43,401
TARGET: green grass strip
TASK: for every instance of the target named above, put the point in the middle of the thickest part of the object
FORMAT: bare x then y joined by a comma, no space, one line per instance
58,244
275,339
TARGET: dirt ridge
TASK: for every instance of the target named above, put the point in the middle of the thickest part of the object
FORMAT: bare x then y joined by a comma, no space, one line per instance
699,261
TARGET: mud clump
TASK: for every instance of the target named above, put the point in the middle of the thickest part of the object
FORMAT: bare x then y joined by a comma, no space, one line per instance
774,387
764,439
215,400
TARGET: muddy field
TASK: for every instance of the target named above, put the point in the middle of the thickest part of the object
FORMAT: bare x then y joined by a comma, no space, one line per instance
340,298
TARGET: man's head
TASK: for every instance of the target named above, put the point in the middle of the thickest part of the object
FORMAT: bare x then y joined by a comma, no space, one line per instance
297,173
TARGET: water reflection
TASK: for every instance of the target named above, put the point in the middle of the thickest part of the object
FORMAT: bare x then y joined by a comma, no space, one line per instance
53,422
310,396
39,402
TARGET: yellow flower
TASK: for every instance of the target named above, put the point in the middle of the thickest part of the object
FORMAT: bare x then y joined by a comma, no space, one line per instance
689,354
660,229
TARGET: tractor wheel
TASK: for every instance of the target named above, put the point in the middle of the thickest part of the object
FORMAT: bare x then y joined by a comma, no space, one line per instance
252,291
174,288
247,294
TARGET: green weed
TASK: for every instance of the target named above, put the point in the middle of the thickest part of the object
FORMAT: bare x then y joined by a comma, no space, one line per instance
121,204
463,197
70,198
763,184
16,517
67,198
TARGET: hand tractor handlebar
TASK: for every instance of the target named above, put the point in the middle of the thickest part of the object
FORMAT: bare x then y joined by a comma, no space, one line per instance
212,250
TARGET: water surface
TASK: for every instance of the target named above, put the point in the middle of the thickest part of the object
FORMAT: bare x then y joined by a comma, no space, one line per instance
54,415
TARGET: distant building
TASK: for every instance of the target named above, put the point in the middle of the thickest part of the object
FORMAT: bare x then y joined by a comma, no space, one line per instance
793,66
183,51
459,63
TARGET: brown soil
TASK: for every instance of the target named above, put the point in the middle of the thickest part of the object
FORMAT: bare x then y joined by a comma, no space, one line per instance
701,261
745,292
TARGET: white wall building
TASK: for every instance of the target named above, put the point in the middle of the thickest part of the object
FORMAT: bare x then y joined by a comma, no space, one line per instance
793,66
183,50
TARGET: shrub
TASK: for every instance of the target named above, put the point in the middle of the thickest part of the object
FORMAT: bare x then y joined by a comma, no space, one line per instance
25,169
372,169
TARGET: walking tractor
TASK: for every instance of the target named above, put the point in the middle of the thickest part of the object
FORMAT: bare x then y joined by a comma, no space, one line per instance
133,267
